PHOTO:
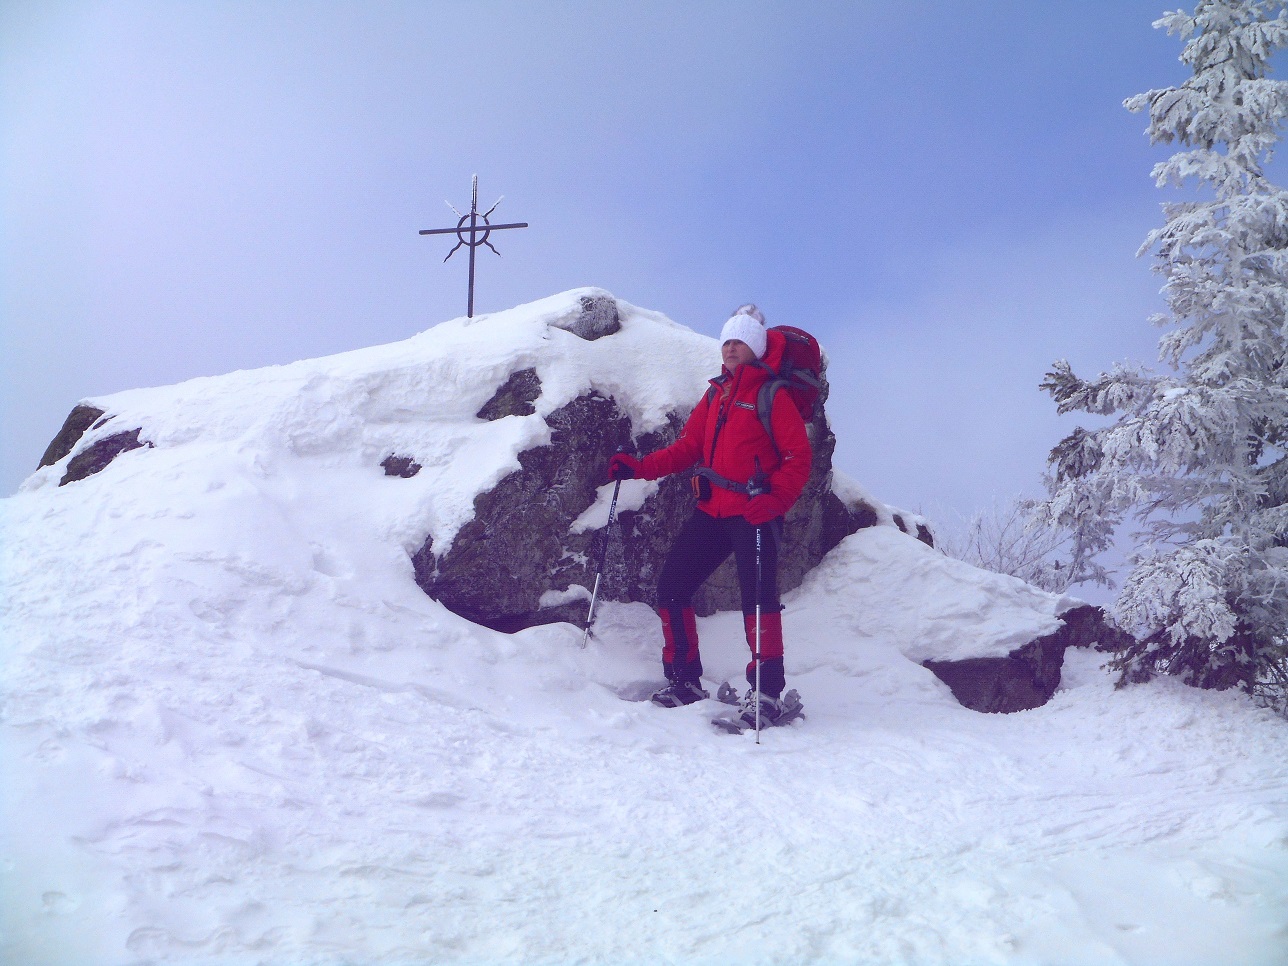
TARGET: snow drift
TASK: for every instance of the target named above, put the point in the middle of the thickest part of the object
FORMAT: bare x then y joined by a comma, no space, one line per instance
235,730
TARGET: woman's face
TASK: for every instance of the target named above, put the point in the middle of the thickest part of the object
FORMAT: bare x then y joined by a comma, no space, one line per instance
735,353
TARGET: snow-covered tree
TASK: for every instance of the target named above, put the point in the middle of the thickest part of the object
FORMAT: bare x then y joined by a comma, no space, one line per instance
1198,454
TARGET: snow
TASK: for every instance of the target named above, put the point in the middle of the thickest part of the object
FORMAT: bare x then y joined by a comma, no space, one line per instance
924,601
418,397
235,731
632,496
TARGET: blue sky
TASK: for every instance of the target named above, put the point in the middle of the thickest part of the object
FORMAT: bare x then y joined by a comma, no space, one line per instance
950,195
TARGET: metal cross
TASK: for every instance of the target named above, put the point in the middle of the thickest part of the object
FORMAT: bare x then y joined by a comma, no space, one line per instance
469,235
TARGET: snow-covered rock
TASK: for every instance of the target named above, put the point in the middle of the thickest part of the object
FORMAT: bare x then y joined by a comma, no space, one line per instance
1027,676
513,418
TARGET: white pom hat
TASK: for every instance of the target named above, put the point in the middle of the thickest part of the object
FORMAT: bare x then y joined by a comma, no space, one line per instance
747,325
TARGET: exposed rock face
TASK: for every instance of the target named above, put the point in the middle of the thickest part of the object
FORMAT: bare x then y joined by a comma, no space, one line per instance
598,318
1028,676
95,458
80,419
519,548
400,466
920,530
514,397
1088,626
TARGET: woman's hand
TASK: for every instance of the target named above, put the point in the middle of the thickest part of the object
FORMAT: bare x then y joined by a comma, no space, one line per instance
623,466
762,509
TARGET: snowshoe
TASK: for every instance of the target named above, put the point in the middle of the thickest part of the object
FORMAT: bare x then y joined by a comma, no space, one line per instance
728,694
773,712
678,694
639,690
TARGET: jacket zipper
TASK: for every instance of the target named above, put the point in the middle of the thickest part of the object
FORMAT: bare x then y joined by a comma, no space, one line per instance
724,415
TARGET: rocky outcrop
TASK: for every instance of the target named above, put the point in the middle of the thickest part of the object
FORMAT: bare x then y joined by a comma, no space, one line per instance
1088,626
518,562
401,466
96,457
918,530
74,426
522,559
517,546
1028,676
514,397
599,317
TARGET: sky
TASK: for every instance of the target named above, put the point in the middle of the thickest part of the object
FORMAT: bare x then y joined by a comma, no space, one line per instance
950,195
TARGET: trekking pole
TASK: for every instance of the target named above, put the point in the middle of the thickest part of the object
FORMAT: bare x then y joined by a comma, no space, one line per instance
758,485
758,635
603,556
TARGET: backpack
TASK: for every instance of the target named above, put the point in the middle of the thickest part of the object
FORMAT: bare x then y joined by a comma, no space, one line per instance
801,374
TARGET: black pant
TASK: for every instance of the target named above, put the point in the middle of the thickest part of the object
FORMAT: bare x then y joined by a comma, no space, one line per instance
703,544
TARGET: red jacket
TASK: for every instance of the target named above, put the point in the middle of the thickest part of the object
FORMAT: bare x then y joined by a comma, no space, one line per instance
742,438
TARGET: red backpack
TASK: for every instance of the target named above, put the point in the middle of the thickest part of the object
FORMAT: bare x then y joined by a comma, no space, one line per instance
800,373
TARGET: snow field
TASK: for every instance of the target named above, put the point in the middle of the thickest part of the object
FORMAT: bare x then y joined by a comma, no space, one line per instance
288,772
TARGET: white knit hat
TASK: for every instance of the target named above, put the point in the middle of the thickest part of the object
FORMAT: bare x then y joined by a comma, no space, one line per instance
746,325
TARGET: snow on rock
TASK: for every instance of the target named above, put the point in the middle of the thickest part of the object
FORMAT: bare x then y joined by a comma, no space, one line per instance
852,494
962,612
997,642
502,426
421,396
235,730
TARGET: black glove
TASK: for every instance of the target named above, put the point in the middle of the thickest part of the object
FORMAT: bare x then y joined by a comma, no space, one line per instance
623,466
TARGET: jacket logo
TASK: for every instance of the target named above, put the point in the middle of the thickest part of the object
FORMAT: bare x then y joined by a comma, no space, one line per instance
745,405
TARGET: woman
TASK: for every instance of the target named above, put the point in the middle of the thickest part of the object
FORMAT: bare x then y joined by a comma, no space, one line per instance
745,480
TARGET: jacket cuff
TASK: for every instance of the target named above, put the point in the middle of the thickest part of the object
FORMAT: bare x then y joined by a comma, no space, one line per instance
649,468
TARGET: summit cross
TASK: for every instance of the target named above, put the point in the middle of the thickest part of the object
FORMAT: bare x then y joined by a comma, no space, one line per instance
473,234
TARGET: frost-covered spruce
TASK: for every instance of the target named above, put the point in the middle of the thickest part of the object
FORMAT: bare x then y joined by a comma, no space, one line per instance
1198,455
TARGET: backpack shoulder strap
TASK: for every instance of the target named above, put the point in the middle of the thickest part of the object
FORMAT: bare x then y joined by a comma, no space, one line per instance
765,406
719,382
